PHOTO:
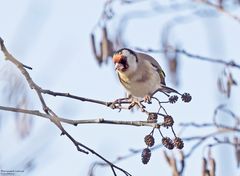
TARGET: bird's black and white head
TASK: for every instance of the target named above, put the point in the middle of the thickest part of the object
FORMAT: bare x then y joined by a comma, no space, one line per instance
125,61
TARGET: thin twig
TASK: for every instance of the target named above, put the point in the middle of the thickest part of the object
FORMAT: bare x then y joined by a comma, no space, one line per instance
77,97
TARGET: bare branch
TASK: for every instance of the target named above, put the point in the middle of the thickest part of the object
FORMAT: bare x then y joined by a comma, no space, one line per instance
219,61
213,166
230,63
86,121
172,162
220,126
201,139
205,171
132,152
219,9
48,112
76,97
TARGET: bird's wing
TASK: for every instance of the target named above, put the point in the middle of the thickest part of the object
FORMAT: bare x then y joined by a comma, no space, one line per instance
155,64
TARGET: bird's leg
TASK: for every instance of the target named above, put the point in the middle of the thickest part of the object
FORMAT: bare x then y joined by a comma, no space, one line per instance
147,99
119,100
117,103
134,102
127,98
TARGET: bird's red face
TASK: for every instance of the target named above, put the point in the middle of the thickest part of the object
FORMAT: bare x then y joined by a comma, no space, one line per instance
120,62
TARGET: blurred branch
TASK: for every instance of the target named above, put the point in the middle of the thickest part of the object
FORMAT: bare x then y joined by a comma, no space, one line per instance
220,9
48,112
212,166
229,114
172,162
235,143
105,46
193,56
222,108
107,14
193,124
220,142
205,171
132,152
220,129
220,126
201,139
219,61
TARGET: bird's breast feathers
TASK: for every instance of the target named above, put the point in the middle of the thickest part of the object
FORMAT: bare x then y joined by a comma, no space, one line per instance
144,81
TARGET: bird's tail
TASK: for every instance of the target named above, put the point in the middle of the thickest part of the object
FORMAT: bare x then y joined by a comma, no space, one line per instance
166,89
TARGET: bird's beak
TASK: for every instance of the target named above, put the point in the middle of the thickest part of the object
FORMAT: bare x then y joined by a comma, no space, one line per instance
119,66
116,59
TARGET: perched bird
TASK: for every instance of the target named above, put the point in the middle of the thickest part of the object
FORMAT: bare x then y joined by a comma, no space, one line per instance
139,73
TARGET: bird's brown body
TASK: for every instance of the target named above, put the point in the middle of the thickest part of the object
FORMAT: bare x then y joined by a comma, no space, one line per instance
139,73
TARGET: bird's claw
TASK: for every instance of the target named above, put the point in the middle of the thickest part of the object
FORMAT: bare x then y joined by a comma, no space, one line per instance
138,103
116,104
147,99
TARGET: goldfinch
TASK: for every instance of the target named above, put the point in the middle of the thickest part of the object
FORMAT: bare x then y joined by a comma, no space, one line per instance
139,73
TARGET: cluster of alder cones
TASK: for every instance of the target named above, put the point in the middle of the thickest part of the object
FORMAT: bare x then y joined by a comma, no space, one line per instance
167,142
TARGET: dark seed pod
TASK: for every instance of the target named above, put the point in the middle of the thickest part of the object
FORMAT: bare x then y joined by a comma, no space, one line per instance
168,143
146,155
173,99
168,121
149,140
186,97
152,117
178,143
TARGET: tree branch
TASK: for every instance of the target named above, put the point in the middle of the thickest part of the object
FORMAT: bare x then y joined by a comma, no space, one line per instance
219,9
192,56
86,121
48,112
219,61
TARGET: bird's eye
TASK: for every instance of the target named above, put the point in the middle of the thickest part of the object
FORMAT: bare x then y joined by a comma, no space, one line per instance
123,60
